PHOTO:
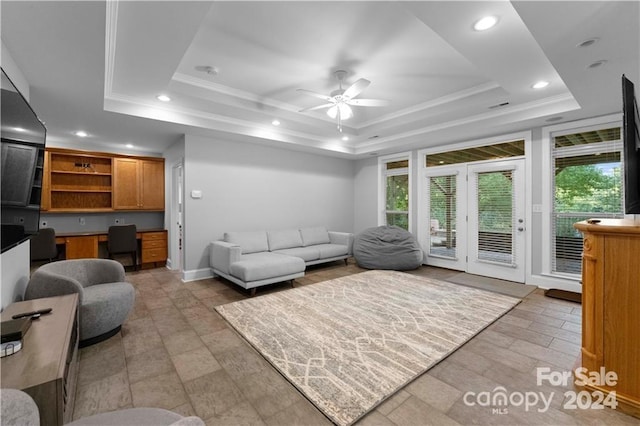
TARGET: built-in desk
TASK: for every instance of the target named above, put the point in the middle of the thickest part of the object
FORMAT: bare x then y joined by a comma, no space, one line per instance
82,245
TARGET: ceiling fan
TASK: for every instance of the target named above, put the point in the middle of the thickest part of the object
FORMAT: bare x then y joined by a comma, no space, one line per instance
340,100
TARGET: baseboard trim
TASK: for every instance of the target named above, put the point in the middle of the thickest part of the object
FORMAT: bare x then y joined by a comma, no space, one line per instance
196,274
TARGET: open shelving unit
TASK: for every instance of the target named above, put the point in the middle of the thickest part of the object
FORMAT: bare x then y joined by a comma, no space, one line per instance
80,182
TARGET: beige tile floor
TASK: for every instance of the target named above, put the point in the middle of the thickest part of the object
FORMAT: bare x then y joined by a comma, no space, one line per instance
176,352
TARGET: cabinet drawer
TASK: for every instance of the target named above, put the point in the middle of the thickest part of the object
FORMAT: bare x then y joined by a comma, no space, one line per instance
154,255
153,244
150,236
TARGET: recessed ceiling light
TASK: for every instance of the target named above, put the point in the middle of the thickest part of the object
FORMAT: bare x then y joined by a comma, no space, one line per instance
129,145
275,122
163,98
588,42
540,85
485,23
345,138
81,133
596,64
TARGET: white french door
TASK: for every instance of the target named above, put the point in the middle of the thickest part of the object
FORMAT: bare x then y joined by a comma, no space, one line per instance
475,218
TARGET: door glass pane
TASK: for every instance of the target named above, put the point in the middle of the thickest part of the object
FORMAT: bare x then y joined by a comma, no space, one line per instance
496,217
442,212
398,219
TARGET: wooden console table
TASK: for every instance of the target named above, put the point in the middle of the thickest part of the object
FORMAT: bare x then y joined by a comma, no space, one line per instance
82,245
611,306
47,365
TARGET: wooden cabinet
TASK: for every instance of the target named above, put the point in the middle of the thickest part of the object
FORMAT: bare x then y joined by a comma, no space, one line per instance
154,247
137,183
83,181
610,306
46,367
81,247
78,182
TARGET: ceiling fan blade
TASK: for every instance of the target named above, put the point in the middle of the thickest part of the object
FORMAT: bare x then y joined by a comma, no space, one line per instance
368,102
357,87
316,107
316,95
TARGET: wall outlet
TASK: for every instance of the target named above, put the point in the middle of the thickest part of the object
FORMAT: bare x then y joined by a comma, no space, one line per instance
43,223
81,220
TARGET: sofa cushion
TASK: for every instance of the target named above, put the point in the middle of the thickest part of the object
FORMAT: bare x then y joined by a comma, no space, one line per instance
332,250
284,239
313,236
260,266
305,253
251,242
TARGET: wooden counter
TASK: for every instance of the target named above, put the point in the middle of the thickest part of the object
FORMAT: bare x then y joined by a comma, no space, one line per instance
82,245
46,367
611,306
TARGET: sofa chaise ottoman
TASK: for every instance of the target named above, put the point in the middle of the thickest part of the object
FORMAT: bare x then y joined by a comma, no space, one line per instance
254,259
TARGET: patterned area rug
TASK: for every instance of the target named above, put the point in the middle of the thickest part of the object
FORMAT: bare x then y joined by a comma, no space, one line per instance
350,343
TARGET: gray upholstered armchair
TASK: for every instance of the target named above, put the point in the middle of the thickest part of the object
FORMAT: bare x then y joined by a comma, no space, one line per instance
104,296
19,409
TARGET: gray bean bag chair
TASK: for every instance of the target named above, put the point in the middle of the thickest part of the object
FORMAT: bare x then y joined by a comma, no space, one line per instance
387,247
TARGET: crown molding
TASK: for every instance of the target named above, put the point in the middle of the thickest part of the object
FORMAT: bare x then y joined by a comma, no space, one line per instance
380,143
192,117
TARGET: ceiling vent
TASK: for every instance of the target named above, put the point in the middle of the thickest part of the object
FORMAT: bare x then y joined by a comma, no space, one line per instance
503,104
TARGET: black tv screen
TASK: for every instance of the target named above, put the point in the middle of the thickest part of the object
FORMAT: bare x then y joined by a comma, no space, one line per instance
631,138
23,138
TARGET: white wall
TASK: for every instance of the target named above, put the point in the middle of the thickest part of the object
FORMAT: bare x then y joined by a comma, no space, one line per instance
14,263
15,273
365,194
13,72
246,186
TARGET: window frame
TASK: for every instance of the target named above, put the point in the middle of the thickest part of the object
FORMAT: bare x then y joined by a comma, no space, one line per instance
383,173
548,179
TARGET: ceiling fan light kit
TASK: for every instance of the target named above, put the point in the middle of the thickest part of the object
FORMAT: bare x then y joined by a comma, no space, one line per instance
339,101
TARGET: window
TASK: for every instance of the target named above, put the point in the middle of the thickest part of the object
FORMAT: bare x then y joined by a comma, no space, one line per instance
395,194
587,182
477,153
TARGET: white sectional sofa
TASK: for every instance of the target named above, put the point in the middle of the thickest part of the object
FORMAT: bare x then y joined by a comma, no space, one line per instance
253,259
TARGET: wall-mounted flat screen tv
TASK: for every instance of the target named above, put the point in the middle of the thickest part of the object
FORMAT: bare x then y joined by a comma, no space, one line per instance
631,137
23,138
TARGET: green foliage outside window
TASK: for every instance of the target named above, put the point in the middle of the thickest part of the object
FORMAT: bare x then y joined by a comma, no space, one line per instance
586,188
495,202
398,201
